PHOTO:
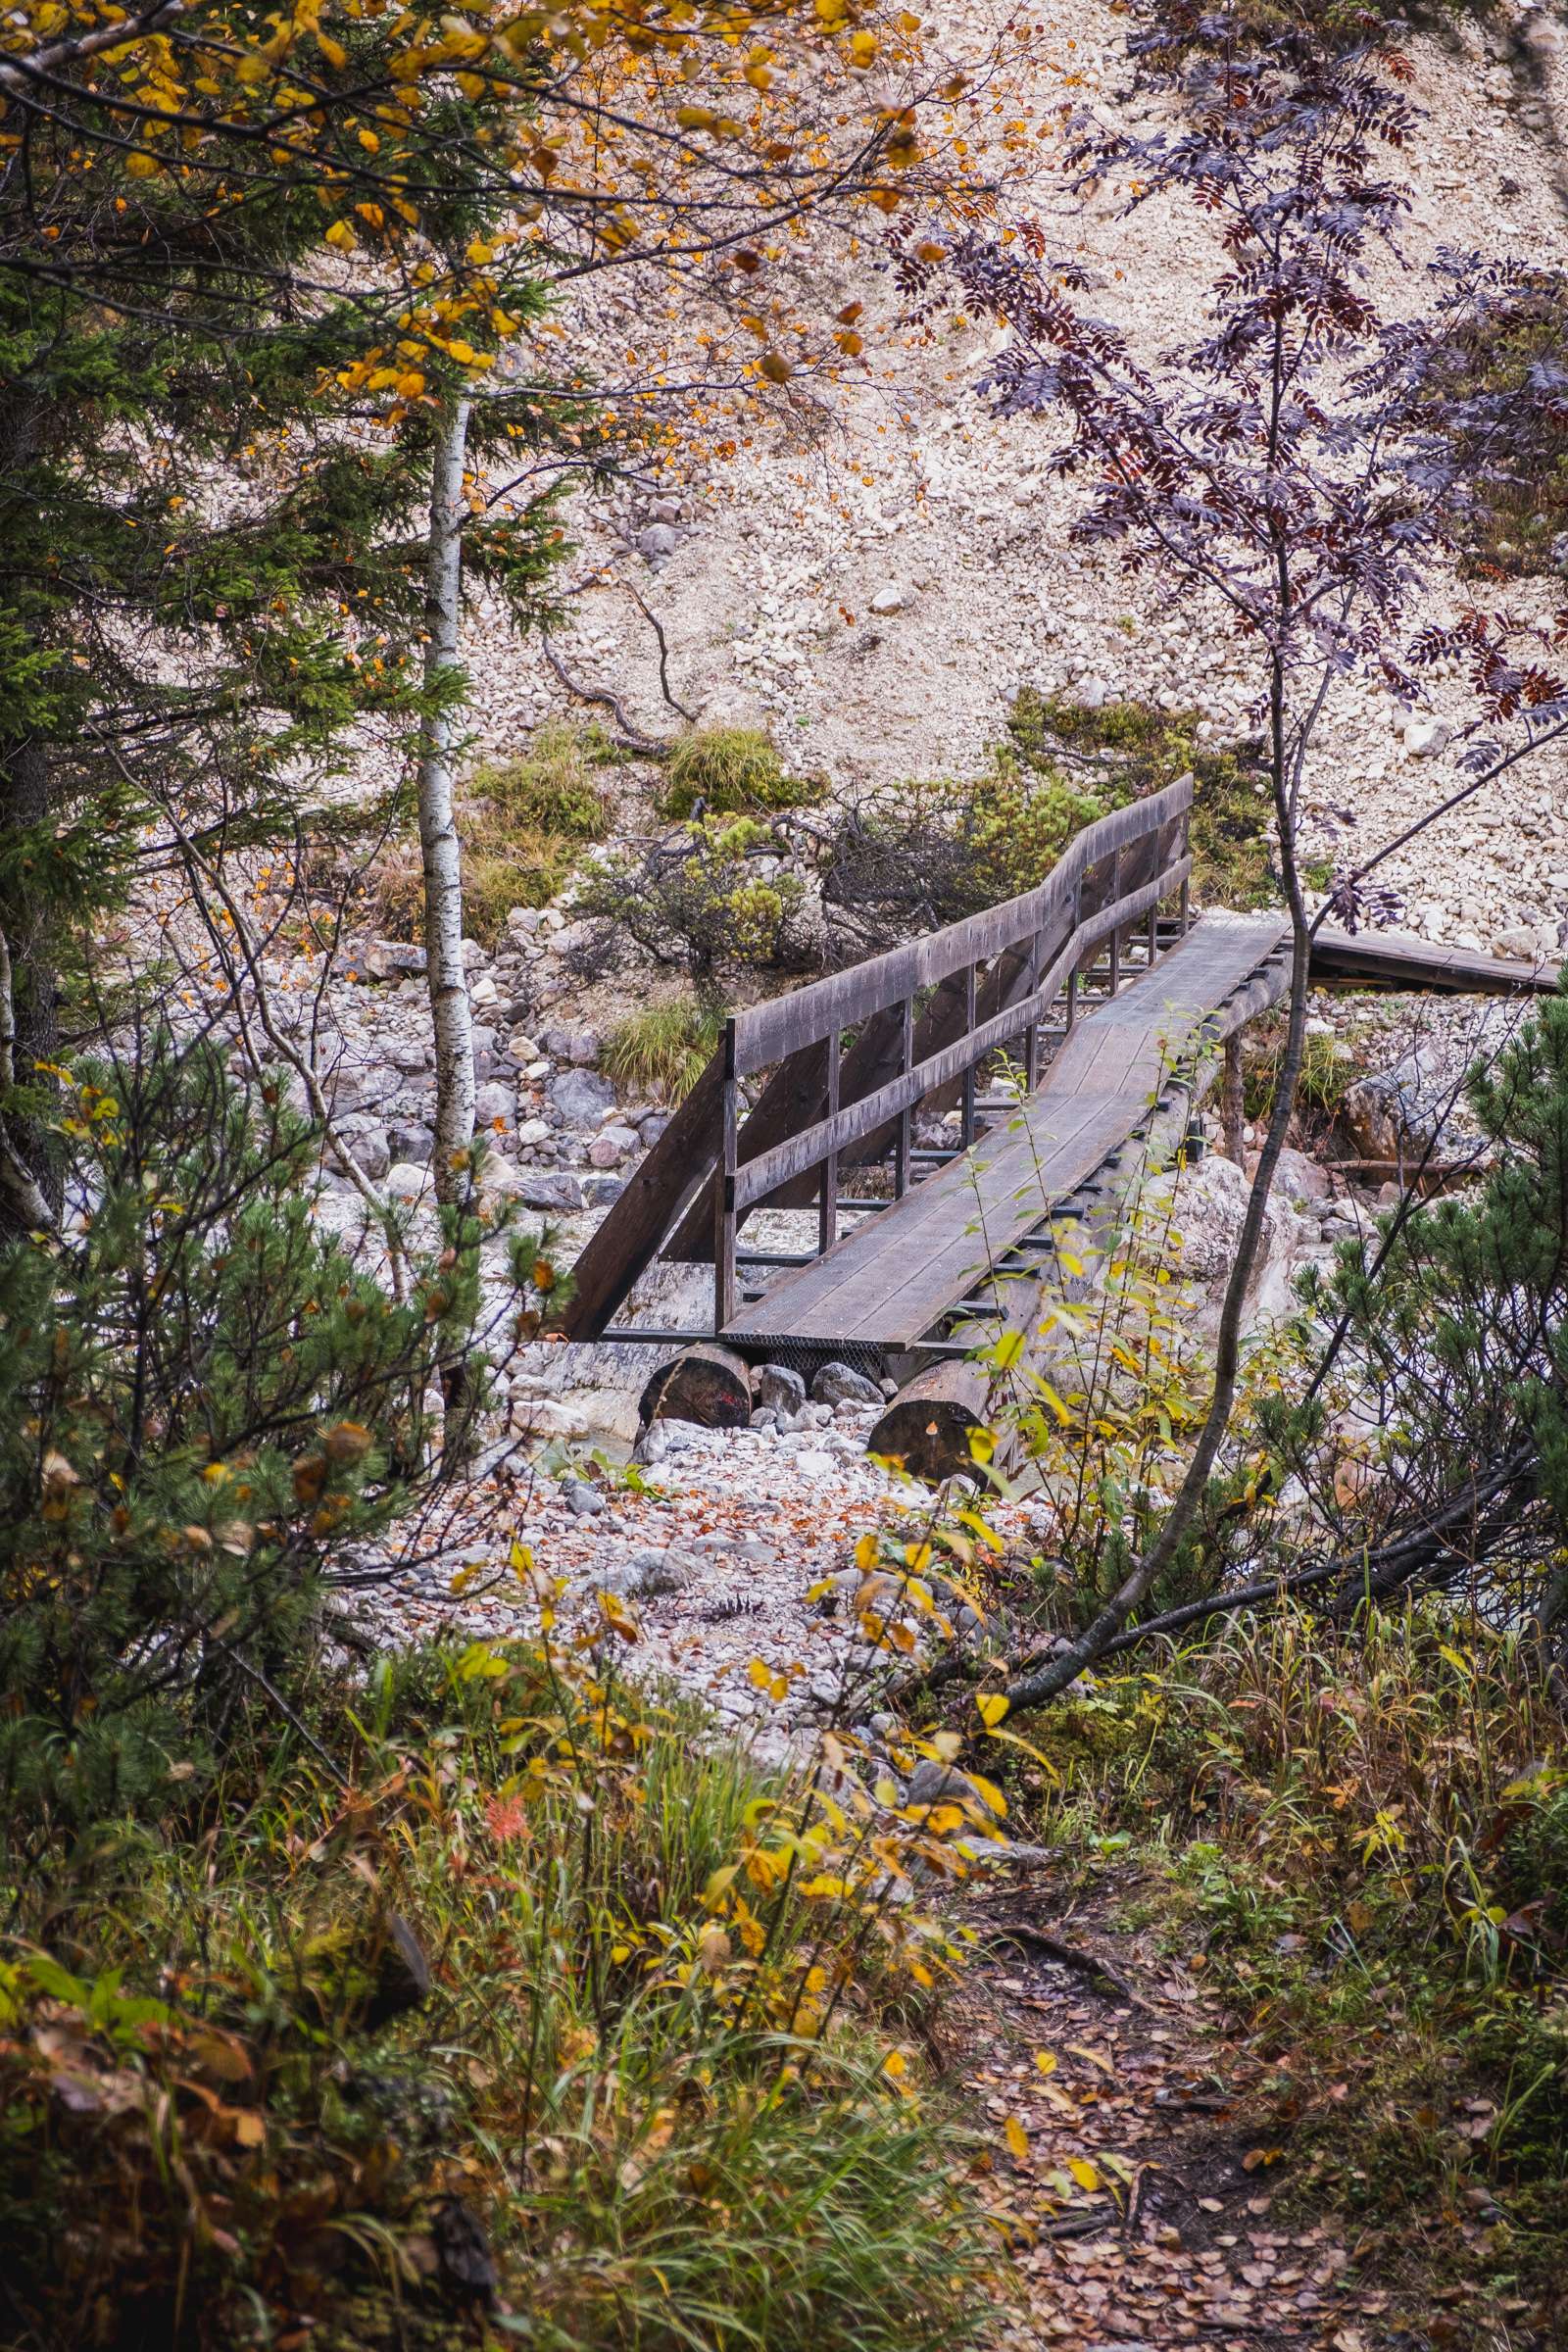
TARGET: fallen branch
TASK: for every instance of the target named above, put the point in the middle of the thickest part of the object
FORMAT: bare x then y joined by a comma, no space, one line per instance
631,739
1066,1955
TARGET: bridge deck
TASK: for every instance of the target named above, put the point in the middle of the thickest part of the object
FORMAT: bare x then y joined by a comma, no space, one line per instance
888,1282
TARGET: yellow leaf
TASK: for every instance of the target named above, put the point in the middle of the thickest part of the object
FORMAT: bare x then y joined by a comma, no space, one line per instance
992,1706
1084,2172
1018,2138
342,237
865,1554
1046,2061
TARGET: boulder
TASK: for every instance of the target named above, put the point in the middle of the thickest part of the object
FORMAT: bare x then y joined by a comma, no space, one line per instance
495,1102
1414,1109
406,1180
581,1097
780,1390
840,1384
392,960
548,1189
410,1139
611,1145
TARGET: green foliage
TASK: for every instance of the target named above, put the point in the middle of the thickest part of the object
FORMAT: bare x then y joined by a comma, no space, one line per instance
1326,1075
731,771
1124,749
206,1406
1454,1362
212,588
523,826
716,895
647,2104
665,1051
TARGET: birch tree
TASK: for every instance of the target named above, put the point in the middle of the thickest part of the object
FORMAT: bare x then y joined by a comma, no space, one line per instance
440,852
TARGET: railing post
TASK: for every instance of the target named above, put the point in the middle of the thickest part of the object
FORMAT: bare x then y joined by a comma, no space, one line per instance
1031,1035
1186,887
968,1075
827,1217
1115,935
724,1192
905,1130
1073,977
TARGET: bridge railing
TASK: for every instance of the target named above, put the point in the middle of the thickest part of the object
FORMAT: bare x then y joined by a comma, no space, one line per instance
851,1057
1110,880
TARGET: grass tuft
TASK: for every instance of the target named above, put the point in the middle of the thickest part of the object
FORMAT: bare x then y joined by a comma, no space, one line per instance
731,771
663,1051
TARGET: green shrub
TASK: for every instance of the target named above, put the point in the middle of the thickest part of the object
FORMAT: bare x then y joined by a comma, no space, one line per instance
522,826
553,789
665,1051
1327,1076
718,895
731,771
205,1405
1125,749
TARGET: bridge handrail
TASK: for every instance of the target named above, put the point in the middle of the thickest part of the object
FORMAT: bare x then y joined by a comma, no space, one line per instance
766,1033
756,1178
1048,924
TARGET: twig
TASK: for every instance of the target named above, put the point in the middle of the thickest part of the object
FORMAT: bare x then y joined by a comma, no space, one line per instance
654,623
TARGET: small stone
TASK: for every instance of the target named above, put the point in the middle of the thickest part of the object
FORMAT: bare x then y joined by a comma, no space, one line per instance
889,598
1425,738
522,1049
410,1055
494,1101
602,1192
392,960
585,1502
580,1097
610,1146
533,1131
583,1048
659,541
406,1180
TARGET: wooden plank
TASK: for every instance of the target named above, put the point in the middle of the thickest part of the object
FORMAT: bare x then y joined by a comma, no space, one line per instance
1394,960
768,1032
627,1241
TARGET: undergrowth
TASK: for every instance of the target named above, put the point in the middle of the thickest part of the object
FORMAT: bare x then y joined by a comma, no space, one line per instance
507,2006
1360,1836
523,824
731,771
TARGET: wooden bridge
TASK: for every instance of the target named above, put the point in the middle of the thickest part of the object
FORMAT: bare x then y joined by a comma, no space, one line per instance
1066,1036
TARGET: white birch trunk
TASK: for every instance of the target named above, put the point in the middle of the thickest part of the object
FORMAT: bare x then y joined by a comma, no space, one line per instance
438,833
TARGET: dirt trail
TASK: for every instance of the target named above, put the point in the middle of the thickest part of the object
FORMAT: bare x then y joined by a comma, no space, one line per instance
1143,2207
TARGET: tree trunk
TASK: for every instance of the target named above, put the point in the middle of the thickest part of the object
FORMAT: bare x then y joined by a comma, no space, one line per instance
439,846
29,1020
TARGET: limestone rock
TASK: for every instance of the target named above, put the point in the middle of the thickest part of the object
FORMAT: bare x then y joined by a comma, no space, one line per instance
581,1097
840,1384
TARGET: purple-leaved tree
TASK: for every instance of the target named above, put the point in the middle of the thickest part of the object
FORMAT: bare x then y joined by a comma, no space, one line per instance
1299,470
